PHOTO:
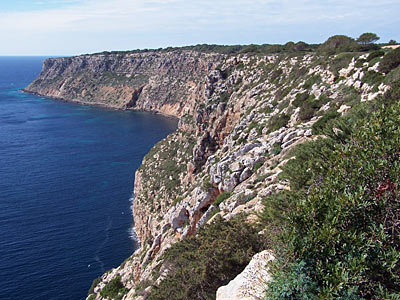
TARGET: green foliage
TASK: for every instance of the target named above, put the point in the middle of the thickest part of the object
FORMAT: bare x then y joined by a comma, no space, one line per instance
296,283
276,149
91,297
202,263
309,107
221,198
299,47
224,97
337,44
341,61
375,54
94,284
114,289
300,98
360,62
367,38
258,165
390,61
323,122
206,184
311,160
277,121
311,80
340,237
372,78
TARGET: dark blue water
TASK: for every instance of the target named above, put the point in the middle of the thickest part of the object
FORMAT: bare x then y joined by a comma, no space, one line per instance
66,179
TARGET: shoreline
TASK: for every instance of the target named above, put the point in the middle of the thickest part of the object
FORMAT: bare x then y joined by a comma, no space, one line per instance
102,105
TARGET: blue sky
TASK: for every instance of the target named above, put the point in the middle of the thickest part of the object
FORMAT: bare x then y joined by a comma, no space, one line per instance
71,27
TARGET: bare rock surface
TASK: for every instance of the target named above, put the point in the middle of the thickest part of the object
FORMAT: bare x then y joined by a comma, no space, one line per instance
250,284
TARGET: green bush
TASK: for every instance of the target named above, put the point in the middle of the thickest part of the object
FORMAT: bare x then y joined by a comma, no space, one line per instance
114,289
300,98
296,283
310,81
360,62
342,233
276,149
308,108
277,121
372,78
221,198
201,264
94,284
390,61
337,44
341,61
375,54
322,123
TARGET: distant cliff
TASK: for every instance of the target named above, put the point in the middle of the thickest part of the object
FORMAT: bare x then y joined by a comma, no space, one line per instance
150,81
240,116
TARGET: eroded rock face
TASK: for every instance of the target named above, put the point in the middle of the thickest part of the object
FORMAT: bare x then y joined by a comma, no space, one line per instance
151,81
250,284
228,141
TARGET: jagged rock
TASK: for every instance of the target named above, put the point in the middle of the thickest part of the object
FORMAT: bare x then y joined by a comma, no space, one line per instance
206,216
245,174
246,148
288,143
199,199
289,136
178,217
308,133
250,284
357,84
229,183
343,109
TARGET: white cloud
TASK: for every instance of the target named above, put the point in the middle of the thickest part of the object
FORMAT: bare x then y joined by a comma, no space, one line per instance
153,23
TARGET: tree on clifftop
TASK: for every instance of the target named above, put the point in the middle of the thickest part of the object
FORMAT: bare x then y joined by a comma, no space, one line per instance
367,38
337,44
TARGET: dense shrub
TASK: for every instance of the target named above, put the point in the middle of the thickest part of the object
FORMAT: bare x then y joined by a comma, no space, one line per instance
342,230
390,61
341,61
300,98
114,289
201,264
94,284
375,54
221,198
372,78
277,121
319,126
337,44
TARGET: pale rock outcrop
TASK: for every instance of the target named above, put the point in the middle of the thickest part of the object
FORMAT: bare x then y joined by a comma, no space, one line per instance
250,284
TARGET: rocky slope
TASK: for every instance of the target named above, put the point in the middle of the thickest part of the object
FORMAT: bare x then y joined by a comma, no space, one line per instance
239,117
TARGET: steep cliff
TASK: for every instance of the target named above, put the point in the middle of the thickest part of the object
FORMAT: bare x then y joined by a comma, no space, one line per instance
240,115
149,81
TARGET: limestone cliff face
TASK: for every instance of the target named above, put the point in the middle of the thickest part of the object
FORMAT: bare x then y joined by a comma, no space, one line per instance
151,81
239,116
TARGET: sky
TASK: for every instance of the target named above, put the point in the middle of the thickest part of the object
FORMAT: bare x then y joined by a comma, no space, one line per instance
73,27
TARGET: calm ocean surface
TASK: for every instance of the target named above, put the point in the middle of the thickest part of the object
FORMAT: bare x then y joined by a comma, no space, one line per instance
66,180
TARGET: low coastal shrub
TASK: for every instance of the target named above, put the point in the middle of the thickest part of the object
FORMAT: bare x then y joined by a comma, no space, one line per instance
390,61
221,198
338,235
277,121
201,264
114,289
94,284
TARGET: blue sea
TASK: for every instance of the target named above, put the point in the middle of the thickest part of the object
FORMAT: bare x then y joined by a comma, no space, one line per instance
66,183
